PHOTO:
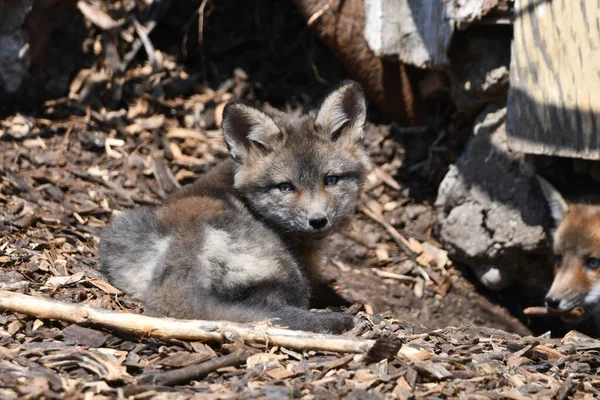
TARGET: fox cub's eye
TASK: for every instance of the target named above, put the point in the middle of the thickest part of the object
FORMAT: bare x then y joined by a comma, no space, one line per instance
285,187
592,263
331,180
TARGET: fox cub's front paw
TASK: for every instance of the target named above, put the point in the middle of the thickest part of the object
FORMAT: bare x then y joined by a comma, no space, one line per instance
335,322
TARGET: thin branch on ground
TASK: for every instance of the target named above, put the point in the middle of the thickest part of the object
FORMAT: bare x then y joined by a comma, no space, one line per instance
400,240
168,328
143,35
196,372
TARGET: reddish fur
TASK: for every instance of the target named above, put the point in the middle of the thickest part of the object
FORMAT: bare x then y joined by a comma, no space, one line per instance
190,209
219,177
577,238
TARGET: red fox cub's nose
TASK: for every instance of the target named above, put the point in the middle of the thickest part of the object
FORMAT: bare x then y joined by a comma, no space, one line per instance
552,302
317,221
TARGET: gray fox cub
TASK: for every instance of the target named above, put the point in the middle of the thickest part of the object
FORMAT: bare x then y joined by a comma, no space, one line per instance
242,243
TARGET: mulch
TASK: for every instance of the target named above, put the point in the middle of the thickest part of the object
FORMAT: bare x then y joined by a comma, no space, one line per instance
64,171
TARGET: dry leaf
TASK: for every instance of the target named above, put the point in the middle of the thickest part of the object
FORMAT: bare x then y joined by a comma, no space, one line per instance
57,281
105,286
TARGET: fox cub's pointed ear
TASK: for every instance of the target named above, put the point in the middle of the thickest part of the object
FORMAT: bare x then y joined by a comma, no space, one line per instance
343,113
249,131
558,206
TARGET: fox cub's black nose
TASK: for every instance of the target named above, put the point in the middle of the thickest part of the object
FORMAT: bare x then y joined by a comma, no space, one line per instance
318,222
552,302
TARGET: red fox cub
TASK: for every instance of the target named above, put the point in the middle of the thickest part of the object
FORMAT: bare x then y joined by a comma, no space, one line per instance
242,243
575,292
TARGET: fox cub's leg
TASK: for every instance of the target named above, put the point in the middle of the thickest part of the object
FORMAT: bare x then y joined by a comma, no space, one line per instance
289,303
284,315
326,322
283,302
323,296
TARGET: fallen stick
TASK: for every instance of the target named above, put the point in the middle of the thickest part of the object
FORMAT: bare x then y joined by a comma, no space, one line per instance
400,240
169,328
159,10
196,372
391,275
543,312
137,45
148,46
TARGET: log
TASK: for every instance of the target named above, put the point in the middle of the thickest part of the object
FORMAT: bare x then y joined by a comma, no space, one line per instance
545,312
169,328
552,104
418,32
391,85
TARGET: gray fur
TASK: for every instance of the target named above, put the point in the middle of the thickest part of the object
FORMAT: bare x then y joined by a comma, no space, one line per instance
134,246
233,246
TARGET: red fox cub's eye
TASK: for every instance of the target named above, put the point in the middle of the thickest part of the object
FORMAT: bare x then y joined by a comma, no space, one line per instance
285,187
592,263
331,180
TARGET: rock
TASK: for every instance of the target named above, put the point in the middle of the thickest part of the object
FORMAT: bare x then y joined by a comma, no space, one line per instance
14,55
417,31
390,84
14,60
494,277
491,214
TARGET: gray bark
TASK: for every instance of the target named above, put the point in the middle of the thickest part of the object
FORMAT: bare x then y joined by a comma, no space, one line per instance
418,32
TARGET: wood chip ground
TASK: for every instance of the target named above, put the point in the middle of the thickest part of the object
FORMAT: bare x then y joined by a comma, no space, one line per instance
64,172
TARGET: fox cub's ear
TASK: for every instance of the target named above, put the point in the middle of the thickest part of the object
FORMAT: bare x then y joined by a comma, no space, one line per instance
343,113
248,130
558,206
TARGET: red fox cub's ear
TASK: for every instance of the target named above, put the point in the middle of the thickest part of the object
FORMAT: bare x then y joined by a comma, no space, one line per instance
343,113
558,206
249,131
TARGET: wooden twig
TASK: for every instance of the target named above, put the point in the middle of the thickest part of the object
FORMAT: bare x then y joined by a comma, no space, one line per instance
159,10
143,35
565,389
113,186
195,372
201,22
137,45
163,175
98,17
386,178
168,328
400,240
545,312
391,275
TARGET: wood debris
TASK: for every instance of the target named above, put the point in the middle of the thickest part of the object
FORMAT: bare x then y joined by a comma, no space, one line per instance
131,126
